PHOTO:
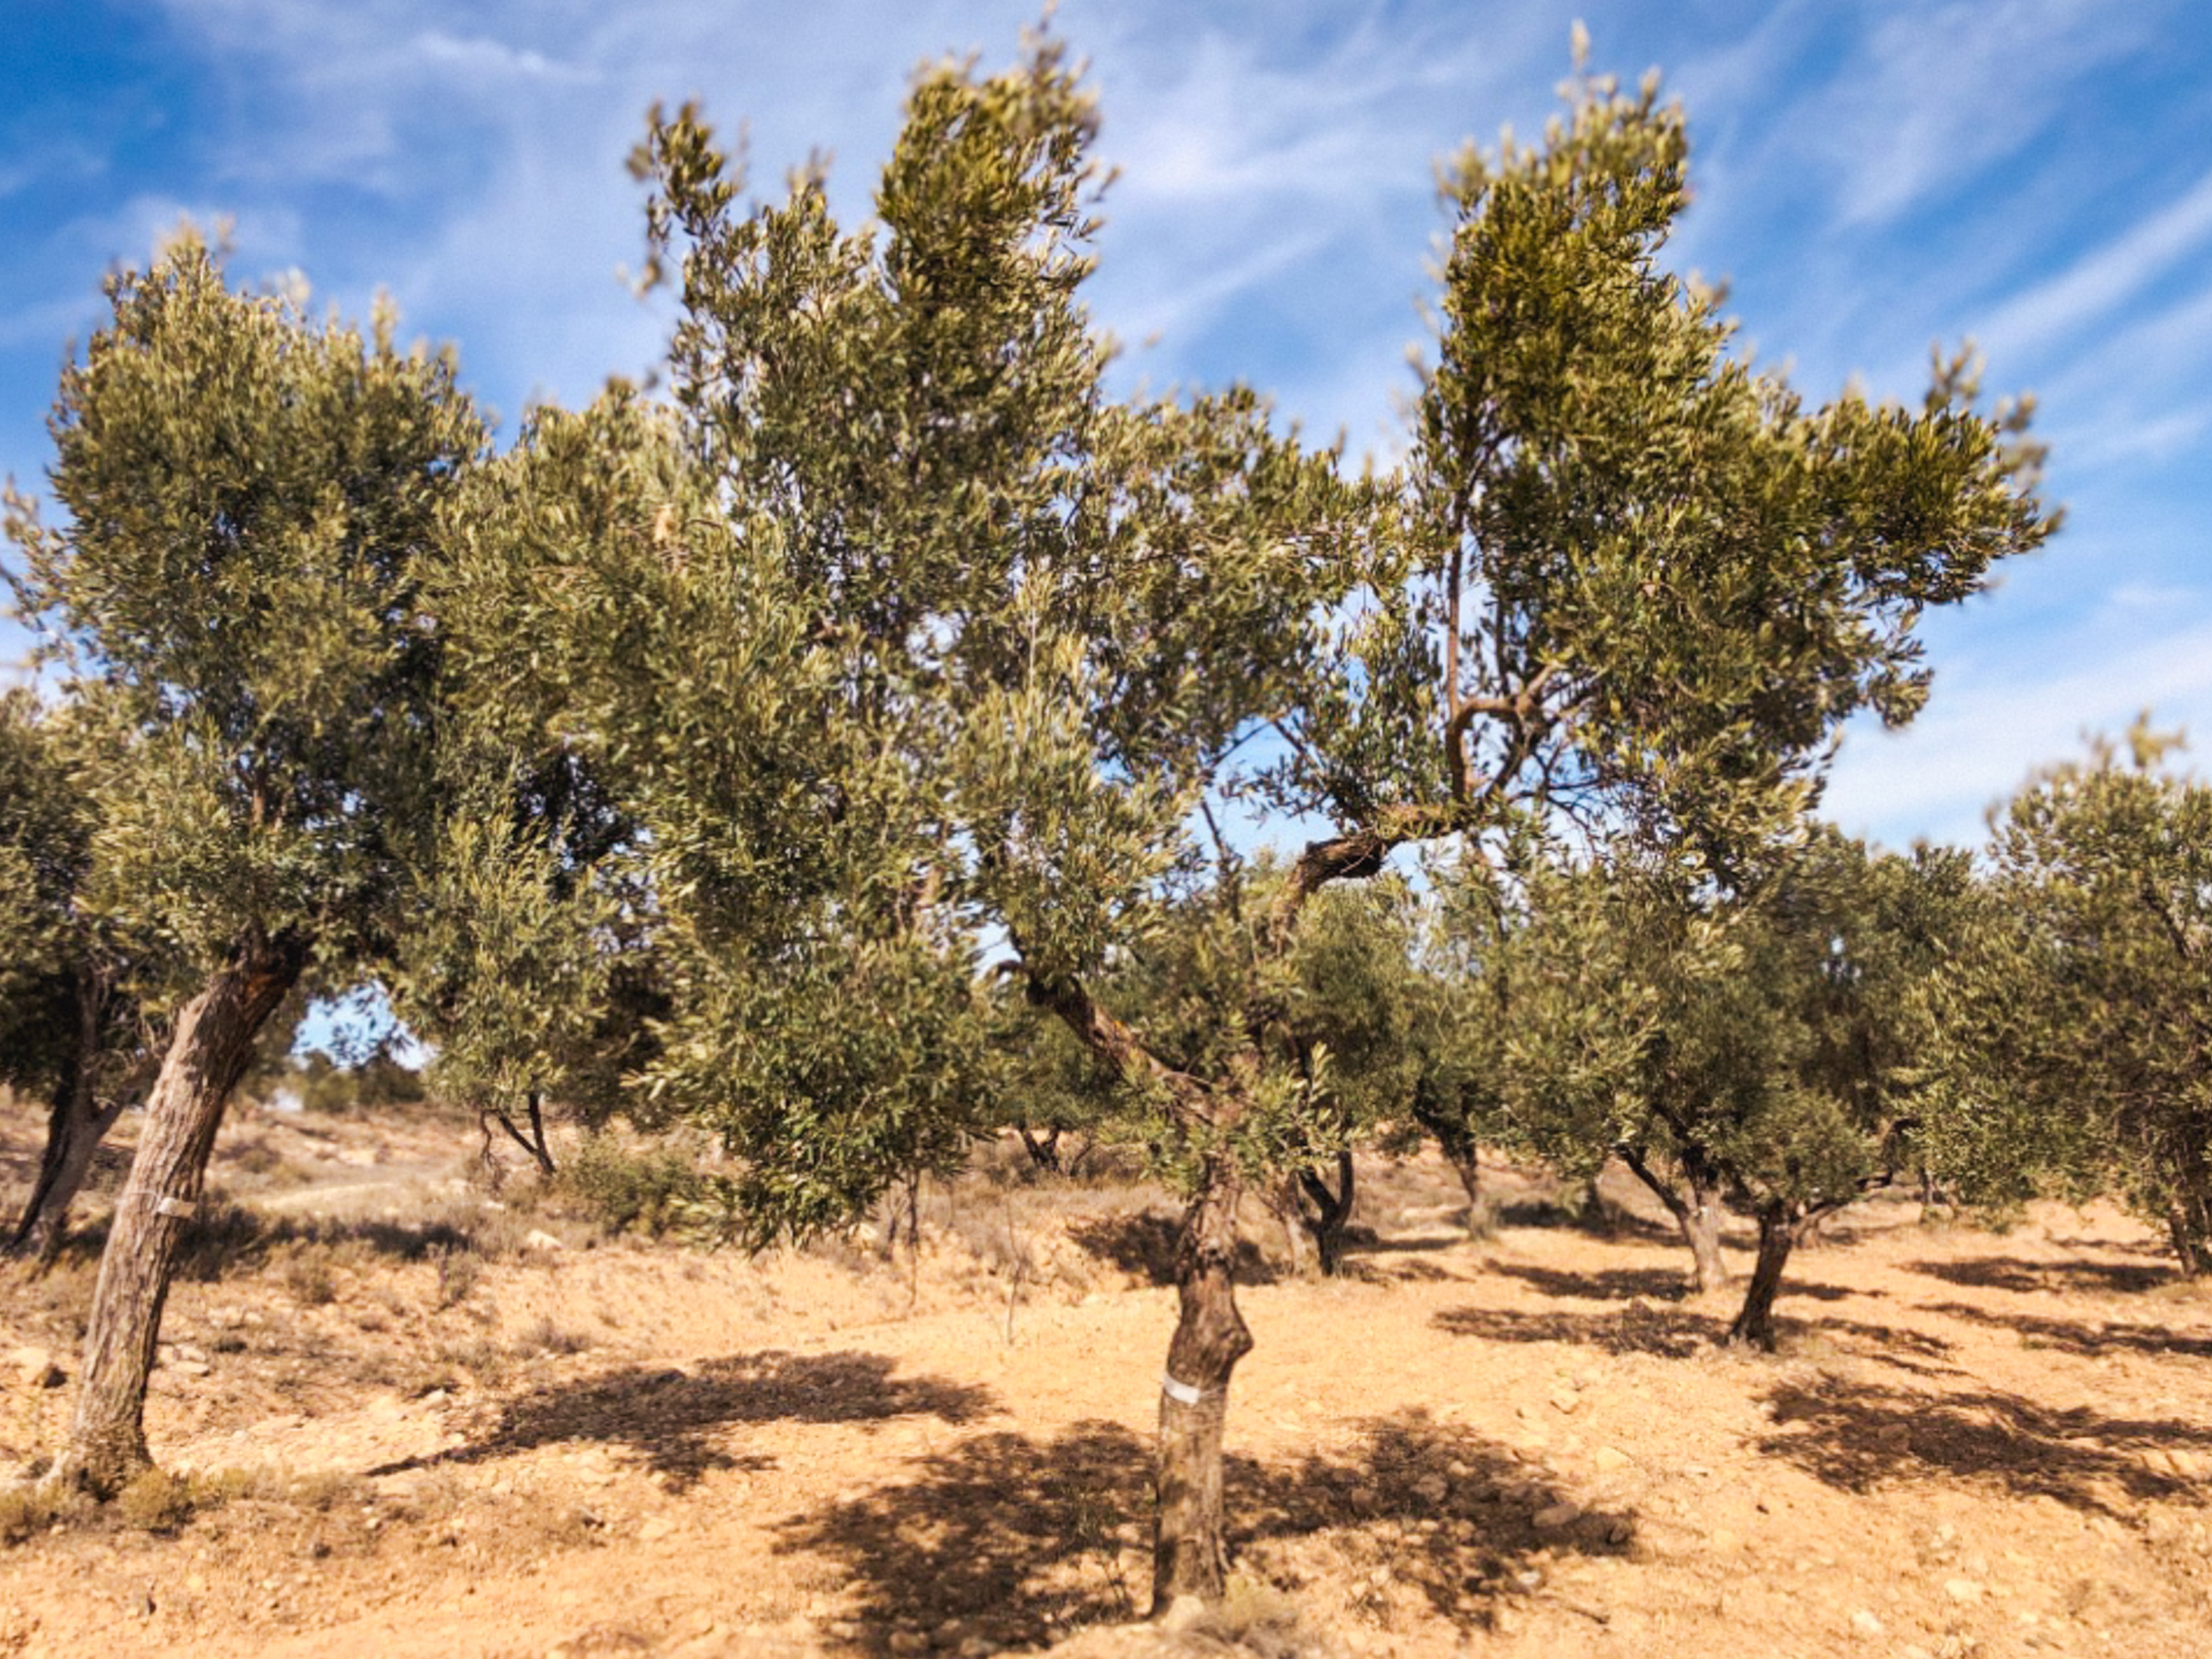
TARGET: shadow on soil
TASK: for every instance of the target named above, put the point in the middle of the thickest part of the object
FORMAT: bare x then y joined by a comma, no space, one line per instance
1671,1332
2014,1273
1144,1244
1859,1438
1021,1538
1604,1283
2080,1337
673,1419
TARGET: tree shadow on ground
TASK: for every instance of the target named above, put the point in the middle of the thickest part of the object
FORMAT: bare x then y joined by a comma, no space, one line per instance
1859,1438
672,1419
2080,1337
1019,1538
1671,1332
1928,1352
1618,1225
2016,1273
1602,1284
227,1239
1144,1244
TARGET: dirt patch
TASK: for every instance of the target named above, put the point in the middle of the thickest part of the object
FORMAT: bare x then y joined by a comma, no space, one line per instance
406,1417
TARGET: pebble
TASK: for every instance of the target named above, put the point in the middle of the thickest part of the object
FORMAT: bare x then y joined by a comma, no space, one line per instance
1864,1623
36,1367
1558,1516
1610,1460
1965,1591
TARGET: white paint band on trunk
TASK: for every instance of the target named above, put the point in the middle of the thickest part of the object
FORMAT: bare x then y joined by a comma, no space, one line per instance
178,1206
1182,1393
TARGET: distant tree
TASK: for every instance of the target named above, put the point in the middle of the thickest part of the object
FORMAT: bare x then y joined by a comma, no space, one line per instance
250,498
72,1032
1781,1069
2076,1023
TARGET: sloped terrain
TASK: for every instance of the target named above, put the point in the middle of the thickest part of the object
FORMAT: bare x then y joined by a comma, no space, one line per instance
409,1418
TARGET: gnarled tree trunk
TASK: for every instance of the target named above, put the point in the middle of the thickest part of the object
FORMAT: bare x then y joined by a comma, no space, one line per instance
76,1125
209,1050
1696,1208
533,1143
1778,1237
1333,1211
1189,1555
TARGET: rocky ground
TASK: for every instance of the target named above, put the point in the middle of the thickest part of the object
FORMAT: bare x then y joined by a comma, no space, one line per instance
402,1416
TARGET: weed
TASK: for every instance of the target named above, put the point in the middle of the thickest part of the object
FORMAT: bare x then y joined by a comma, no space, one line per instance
547,1337
650,1191
307,1275
29,1508
459,1268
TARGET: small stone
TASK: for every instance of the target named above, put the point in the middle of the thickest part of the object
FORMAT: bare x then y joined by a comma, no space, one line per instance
978,1647
1182,1612
192,1368
908,1641
1565,1401
1724,1541
1864,1623
1965,1591
36,1367
656,1528
950,1634
1432,1490
1610,1460
1558,1516
538,1239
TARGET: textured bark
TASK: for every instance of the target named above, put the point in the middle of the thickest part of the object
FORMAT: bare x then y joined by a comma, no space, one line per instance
1290,1206
2188,1228
1333,1211
1754,1323
1696,1207
1189,1557
209,1051
76,1125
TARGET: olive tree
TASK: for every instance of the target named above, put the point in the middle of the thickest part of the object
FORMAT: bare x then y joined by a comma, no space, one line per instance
250,497
917,653
2076,1019
72,1030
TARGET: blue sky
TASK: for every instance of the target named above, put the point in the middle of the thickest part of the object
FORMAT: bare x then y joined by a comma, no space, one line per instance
1872,177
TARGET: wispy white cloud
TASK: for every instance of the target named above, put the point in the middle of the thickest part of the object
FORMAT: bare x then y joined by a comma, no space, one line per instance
1995,719
1935,94
2056,309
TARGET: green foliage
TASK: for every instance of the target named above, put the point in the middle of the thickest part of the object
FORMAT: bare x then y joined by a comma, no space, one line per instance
653,1191
1633,576
2073,1021
1778,1030
250,498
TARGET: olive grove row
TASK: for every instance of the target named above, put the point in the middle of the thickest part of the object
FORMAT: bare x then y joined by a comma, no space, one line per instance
874,738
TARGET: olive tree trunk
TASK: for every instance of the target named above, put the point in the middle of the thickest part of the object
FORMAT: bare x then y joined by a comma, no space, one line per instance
209,1051
1332,1211
1778,1237
1695,1205
76,1125
1189,1555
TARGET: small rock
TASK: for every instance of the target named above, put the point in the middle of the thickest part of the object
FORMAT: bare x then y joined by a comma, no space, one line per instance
908,1641
1610,1460
1864,1623
36,1367
978,1647
187,1351
538,1239
1724,1541
1565,1401
1558,1516
1965,1591
192,1368
656,1528
1434,1490
1182,1612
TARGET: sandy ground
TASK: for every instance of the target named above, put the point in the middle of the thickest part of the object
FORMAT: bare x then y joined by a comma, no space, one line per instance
441,1428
